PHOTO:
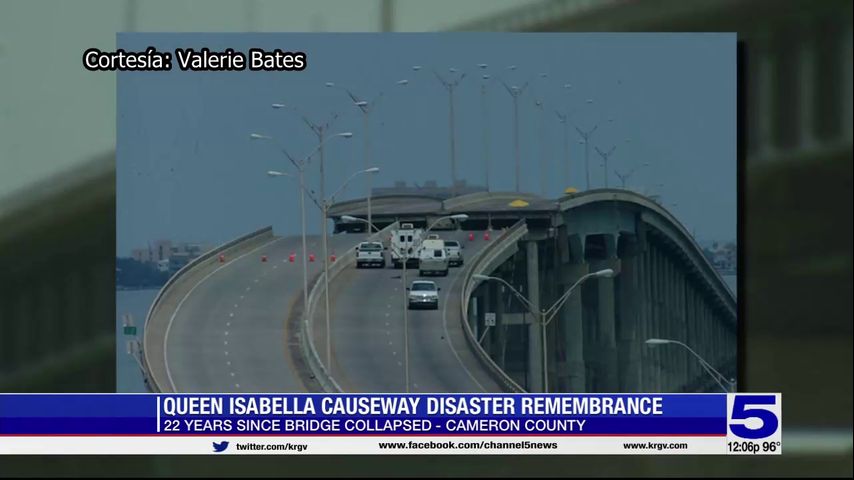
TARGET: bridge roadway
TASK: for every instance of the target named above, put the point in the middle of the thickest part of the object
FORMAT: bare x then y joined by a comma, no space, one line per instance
228,333
367,332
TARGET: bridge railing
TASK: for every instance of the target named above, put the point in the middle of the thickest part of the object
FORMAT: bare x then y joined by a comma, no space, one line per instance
485,262
153,322
306,338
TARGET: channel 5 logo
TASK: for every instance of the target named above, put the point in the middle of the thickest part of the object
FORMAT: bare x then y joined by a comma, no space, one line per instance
754,416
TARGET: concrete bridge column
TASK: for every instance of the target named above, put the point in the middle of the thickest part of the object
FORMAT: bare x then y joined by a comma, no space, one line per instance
693,332
573,329
535,344
683,323
667,353
675,355
646,321
658,316
629,343
655,312
607,343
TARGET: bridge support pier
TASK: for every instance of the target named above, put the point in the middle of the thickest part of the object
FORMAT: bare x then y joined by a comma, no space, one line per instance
535,333
607,374
630,317
571,317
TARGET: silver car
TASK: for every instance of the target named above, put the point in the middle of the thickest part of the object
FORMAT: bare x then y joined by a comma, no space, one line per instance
423,294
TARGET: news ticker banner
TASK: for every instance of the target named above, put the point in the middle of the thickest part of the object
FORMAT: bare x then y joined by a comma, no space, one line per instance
740,424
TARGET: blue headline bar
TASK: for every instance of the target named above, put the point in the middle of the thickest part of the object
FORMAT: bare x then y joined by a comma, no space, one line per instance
368,414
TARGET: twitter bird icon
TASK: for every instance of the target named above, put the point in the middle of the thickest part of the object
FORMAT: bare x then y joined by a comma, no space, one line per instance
220,447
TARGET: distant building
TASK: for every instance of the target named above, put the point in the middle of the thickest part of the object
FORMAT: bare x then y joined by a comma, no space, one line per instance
168,256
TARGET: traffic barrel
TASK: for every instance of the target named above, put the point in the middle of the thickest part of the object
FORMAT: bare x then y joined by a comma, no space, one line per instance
263,258
222,259
471,236
310,257
292,257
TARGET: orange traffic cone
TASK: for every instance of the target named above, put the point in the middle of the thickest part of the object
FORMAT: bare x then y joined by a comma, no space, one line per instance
292,257
311,257
263,258
486,235
222,259
471,236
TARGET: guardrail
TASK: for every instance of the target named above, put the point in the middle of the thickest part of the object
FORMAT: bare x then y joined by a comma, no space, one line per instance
485,262
306,337
152,381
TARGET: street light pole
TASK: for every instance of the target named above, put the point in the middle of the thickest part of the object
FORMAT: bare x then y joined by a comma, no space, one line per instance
563,119
586,136
327,202
625,176
716,375
544,317
484,119
366,107
300,166
514,93
414,248
605,156
450,86
350,218
274,173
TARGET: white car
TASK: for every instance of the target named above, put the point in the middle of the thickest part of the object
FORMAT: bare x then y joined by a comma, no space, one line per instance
423,294
455,253
370,254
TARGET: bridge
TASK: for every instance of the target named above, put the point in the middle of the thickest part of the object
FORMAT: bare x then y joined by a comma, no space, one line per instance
235,320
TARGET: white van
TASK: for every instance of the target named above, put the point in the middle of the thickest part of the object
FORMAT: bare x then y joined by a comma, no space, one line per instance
432,257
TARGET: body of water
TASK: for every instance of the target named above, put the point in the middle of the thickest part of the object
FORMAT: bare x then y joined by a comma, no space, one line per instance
135,303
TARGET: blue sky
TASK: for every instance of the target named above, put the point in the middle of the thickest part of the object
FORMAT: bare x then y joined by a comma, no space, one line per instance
187,170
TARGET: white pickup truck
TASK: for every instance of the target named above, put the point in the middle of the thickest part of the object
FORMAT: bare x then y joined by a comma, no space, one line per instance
370,254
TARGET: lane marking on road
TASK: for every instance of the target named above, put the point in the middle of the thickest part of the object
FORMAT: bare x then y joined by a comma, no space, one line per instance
387,315
178,308
247,289
231,314
226,333
256,280
232,374
393,352
236,385
228,362
235,305
399,363
241,297
227,324
226,353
